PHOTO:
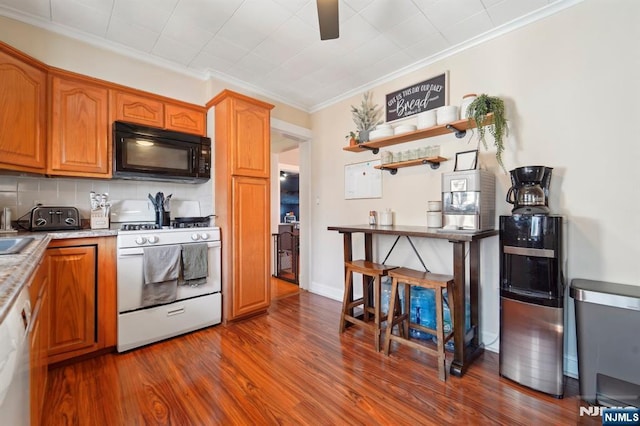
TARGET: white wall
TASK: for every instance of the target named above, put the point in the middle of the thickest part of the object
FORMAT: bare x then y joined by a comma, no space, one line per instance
571,86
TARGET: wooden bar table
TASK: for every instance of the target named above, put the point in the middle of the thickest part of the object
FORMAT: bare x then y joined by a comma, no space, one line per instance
463,354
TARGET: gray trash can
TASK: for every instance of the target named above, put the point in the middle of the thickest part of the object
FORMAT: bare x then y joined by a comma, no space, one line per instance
608,337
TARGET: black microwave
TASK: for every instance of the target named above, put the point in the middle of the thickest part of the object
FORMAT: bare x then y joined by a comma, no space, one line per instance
148,153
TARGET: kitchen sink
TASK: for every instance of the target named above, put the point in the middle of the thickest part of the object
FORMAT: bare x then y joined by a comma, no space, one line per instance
14,245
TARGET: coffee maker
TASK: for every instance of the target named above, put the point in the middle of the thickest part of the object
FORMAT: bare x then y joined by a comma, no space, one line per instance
529,192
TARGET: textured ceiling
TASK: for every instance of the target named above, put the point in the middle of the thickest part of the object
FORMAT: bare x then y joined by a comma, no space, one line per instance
273,46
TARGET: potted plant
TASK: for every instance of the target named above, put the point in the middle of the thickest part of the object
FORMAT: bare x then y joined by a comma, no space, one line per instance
478,110
352,138
366,116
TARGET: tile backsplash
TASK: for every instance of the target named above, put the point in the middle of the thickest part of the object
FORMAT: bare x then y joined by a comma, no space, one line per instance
21,193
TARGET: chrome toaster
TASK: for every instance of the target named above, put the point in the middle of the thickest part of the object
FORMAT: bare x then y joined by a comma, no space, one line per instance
45,218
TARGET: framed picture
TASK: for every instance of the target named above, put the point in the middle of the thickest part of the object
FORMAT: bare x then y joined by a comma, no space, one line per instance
423,96
466,160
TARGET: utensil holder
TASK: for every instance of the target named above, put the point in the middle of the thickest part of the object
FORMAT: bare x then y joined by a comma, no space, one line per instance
163,218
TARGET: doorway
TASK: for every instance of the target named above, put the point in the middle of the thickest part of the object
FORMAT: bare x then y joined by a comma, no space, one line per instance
289,204
286,249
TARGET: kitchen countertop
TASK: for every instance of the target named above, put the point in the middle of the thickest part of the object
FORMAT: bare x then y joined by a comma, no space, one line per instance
15,269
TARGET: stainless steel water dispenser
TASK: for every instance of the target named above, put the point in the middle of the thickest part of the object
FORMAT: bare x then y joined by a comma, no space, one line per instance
469,200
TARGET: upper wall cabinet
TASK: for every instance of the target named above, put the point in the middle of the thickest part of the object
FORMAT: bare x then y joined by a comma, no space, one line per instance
157,112
79,144
135,108
248,127
23,97
184,119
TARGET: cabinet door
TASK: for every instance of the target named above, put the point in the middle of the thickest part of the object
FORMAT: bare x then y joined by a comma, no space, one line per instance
250,155
138,109
79,129
184,119
251,246
23,97
72,298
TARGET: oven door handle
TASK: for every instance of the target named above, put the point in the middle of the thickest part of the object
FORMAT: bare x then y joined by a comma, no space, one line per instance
139,251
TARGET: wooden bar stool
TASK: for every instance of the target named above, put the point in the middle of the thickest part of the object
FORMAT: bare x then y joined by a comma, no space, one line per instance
437,282
368,269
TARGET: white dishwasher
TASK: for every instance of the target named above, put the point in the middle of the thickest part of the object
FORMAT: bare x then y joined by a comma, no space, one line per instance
14,363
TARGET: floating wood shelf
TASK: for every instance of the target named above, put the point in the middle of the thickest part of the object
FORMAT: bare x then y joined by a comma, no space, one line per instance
458,127
434,162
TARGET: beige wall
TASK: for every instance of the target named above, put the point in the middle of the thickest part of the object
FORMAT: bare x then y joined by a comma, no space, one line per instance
571,84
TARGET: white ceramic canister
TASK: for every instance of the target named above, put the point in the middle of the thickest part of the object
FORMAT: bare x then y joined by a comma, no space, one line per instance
466,101
434,206
427,119
385,217
434,219
446,114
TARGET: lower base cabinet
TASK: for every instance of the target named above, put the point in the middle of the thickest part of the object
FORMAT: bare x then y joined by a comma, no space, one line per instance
82,297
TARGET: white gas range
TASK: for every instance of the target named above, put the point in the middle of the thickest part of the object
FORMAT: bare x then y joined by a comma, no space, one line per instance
149,311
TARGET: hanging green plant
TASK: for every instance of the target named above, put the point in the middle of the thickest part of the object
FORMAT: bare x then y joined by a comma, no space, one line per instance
478,110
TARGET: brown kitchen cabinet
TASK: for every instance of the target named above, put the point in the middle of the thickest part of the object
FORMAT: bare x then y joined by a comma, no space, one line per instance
243,202
23,112
136,108
251,245
185,119
245,122
79,143
82,289
38,338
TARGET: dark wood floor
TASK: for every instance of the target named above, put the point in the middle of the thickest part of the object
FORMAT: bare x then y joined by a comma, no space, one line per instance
291,367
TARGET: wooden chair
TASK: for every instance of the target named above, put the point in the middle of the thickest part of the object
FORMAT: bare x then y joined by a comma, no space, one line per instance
375,271
438,283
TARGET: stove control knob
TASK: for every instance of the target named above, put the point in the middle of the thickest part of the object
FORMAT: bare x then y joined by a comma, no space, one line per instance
41,221
141,240
153,239
195,237
204,236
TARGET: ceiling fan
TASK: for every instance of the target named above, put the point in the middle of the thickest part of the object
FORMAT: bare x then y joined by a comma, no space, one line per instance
328,19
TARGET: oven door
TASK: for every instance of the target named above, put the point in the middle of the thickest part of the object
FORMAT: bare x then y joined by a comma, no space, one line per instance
130,278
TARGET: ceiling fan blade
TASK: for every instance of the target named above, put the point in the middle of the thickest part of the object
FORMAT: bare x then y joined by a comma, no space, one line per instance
328,19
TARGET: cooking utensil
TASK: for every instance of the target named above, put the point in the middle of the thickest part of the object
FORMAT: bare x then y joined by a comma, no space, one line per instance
167,203
153,201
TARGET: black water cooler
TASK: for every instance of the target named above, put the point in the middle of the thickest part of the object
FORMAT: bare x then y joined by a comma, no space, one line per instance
532,302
